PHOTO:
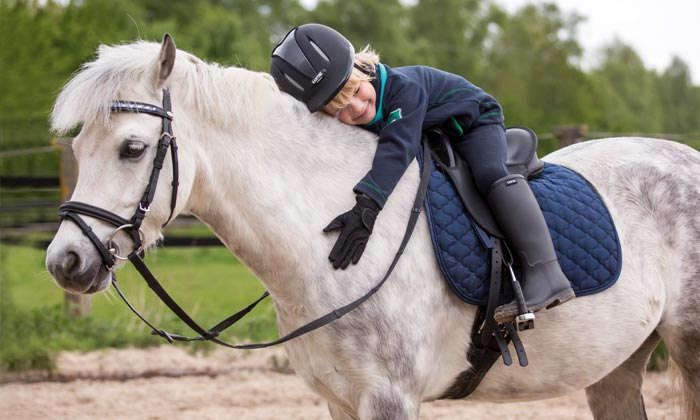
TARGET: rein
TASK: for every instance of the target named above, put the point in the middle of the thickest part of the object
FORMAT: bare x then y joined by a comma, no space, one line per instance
72,210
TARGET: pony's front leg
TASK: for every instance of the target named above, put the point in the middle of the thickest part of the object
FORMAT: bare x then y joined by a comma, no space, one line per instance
388,405
380,406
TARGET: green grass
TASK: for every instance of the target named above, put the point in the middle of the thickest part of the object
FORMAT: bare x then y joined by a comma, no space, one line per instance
208,282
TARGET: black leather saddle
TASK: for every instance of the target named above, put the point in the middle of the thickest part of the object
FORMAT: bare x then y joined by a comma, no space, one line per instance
522,159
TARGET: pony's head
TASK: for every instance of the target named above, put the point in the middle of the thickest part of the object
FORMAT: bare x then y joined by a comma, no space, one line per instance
115,155
227,120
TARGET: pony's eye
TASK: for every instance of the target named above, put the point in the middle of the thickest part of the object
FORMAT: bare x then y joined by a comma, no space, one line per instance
132,149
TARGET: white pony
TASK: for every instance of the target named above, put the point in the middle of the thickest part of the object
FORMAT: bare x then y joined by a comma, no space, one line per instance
267,176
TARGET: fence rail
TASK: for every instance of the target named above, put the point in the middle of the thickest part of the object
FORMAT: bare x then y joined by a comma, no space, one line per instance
30,151
13,182
178,241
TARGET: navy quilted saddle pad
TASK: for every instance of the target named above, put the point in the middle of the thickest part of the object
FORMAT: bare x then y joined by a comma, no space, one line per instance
582,230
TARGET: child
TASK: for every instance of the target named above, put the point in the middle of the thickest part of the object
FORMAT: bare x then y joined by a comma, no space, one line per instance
319,67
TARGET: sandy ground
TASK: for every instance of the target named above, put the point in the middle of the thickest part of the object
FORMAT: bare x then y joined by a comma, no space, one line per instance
167,382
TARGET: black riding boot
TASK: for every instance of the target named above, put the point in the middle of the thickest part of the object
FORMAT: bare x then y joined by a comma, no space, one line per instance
519,216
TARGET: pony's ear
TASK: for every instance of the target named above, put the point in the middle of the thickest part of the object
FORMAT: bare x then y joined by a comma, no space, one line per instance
166,60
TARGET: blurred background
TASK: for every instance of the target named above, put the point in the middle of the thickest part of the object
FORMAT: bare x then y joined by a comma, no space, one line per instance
531,57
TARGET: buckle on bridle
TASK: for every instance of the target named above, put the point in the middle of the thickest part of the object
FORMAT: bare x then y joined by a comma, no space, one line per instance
112,248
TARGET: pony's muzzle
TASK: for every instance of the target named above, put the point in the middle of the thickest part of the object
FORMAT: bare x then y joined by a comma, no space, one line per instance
76,270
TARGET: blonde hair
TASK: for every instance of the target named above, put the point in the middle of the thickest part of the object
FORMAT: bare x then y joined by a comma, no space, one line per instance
368,60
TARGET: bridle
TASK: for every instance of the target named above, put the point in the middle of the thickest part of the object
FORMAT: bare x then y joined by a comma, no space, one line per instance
72,210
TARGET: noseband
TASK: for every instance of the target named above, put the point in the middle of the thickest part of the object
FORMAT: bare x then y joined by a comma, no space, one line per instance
72,210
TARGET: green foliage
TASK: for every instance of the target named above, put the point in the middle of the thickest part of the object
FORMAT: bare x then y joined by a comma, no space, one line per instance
659,358
29,339
458,50
679,98
627,92
532,70
381,24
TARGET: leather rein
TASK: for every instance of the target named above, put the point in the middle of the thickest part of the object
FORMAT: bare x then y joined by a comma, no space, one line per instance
71,210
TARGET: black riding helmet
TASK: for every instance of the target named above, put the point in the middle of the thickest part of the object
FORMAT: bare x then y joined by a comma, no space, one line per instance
312,63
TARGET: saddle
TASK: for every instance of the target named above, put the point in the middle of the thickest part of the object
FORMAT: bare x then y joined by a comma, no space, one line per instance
474,258
489,339
521,159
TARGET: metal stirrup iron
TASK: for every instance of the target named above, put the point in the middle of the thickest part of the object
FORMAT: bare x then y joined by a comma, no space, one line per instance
525,320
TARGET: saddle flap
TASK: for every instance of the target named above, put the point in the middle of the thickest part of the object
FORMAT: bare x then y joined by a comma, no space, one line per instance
522,152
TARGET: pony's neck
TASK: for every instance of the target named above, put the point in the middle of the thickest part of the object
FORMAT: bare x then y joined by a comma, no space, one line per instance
268,186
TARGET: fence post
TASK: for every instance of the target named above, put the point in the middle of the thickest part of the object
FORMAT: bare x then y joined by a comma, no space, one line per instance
569,134
76,305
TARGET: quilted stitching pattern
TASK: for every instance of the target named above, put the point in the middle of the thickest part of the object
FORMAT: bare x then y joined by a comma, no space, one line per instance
582,230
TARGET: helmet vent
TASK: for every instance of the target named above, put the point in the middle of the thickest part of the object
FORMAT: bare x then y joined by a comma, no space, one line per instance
319,51
294,82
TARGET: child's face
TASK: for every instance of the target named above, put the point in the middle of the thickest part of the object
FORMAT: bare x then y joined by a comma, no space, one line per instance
361,108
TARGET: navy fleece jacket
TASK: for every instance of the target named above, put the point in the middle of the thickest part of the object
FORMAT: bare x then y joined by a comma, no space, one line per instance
409,100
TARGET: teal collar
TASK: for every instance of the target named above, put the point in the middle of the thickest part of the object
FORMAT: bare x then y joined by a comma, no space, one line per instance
382,81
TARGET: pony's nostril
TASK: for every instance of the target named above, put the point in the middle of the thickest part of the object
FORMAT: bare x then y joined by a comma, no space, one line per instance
71,264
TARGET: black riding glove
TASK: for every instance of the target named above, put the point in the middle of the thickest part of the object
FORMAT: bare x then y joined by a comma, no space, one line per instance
355,227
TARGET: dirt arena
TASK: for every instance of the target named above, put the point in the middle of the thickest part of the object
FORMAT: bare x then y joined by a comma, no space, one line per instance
168,383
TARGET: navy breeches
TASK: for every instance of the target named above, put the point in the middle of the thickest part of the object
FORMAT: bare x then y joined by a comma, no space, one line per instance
484,149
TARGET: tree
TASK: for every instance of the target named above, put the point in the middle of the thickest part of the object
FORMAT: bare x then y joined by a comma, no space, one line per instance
450,34
626,91
680,101
532,68
381,24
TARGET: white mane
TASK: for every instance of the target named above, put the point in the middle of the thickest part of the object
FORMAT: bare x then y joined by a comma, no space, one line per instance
122,71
